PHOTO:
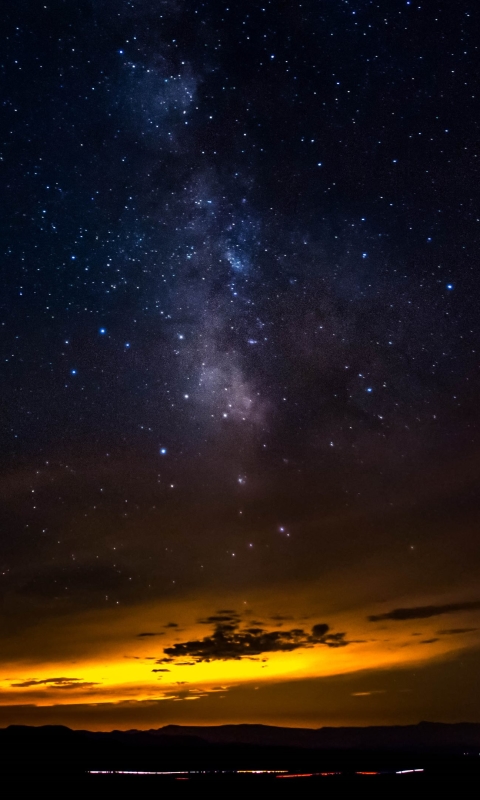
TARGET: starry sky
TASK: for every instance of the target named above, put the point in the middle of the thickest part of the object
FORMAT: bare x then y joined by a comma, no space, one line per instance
239,362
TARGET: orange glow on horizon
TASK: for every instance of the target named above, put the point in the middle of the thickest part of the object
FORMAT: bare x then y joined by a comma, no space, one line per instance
118,665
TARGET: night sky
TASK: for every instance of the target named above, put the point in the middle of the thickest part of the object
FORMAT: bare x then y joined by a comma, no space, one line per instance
239,362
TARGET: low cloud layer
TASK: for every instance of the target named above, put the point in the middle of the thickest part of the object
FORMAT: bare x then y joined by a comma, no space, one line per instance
423,612
56,683
455,631
229,641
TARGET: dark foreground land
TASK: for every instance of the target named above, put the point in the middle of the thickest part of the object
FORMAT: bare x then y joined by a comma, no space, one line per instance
284,761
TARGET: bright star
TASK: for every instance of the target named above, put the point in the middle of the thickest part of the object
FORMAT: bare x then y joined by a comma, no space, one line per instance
163,451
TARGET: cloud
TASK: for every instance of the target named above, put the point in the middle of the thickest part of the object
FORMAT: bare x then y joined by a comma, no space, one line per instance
171,625
80,685
320,630
56,683
453,631
224,617
161,670
422,612
229,642
139,635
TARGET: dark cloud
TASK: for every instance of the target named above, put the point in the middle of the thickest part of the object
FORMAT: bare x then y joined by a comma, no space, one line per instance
422,612
161,670
231,618
171,625
139,635
428,641
320,630
56,683
228,641
185,694
82,685
453,631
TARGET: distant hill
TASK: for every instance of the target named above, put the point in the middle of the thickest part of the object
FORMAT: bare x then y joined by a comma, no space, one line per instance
423,735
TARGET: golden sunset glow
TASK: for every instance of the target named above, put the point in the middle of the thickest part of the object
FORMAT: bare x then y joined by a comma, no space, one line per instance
124,666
